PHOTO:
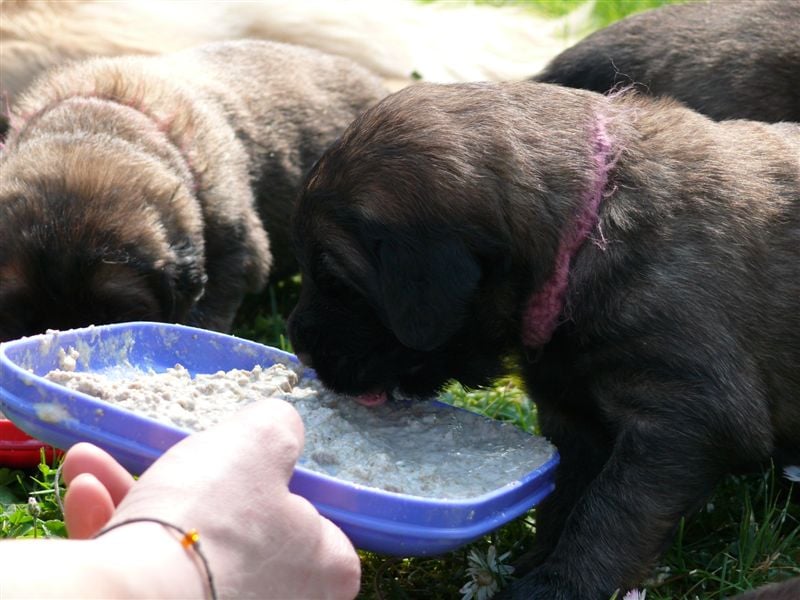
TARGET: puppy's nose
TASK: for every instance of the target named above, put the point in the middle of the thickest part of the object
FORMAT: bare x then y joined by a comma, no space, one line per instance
305,358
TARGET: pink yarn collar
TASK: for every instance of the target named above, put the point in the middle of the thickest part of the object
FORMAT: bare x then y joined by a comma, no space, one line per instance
541,316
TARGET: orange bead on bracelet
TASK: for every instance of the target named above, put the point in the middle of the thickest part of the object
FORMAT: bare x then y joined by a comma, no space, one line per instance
189,539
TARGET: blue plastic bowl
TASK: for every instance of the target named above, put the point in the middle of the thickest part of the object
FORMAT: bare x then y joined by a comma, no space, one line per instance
373,519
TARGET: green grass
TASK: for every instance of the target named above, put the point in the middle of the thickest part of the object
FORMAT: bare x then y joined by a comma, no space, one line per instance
28,506
747,535
605,11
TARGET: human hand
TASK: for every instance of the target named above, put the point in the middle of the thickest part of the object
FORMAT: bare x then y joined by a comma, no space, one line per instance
231,484
97,484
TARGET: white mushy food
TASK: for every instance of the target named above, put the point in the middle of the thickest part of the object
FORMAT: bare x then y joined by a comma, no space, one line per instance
418,448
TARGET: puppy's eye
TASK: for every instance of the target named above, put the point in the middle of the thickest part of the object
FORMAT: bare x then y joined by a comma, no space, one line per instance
329,280
332,277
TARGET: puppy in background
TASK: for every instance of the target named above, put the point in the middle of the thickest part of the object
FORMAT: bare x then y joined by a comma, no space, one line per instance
140,188
640,261
728,60
399,40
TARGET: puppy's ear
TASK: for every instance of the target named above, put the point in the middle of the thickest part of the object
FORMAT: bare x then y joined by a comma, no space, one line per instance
426,289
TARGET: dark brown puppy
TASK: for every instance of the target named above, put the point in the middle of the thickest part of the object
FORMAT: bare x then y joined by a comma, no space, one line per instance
135,188
640,261
728,60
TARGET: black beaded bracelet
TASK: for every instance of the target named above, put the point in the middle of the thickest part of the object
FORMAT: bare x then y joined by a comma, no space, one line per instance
189,539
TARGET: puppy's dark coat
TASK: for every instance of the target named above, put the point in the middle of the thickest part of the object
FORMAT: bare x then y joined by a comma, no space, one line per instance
140,187
641,261
728,60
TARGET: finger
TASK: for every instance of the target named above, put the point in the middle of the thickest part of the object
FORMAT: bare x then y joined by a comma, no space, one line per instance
341,548
337,566
269,428
264,438
87,458
270,412
273,428
87,506
338,549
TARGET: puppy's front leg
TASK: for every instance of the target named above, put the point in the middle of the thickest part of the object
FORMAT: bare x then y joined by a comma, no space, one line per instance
627,514
583,448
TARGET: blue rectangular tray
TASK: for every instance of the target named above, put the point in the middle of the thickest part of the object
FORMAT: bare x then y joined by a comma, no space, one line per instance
373,519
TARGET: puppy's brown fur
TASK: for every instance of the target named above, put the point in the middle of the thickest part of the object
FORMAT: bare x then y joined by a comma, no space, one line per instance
140,187
786,590
430,234
728,60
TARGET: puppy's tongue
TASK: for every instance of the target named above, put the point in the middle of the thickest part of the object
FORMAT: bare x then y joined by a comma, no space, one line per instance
372,399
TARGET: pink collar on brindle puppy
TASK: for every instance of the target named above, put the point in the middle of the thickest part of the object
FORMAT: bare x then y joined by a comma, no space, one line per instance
541,316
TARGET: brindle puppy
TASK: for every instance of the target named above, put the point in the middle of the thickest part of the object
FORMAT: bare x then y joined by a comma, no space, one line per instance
135,188
640,261
729,60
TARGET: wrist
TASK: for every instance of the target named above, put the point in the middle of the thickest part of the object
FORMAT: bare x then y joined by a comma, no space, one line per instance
137,560
147,560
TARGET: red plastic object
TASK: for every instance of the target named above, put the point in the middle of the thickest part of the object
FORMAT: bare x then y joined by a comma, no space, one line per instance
19,450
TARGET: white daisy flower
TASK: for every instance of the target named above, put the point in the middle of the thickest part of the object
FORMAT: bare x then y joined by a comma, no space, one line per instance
33,507
635,595
792,472
486,574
